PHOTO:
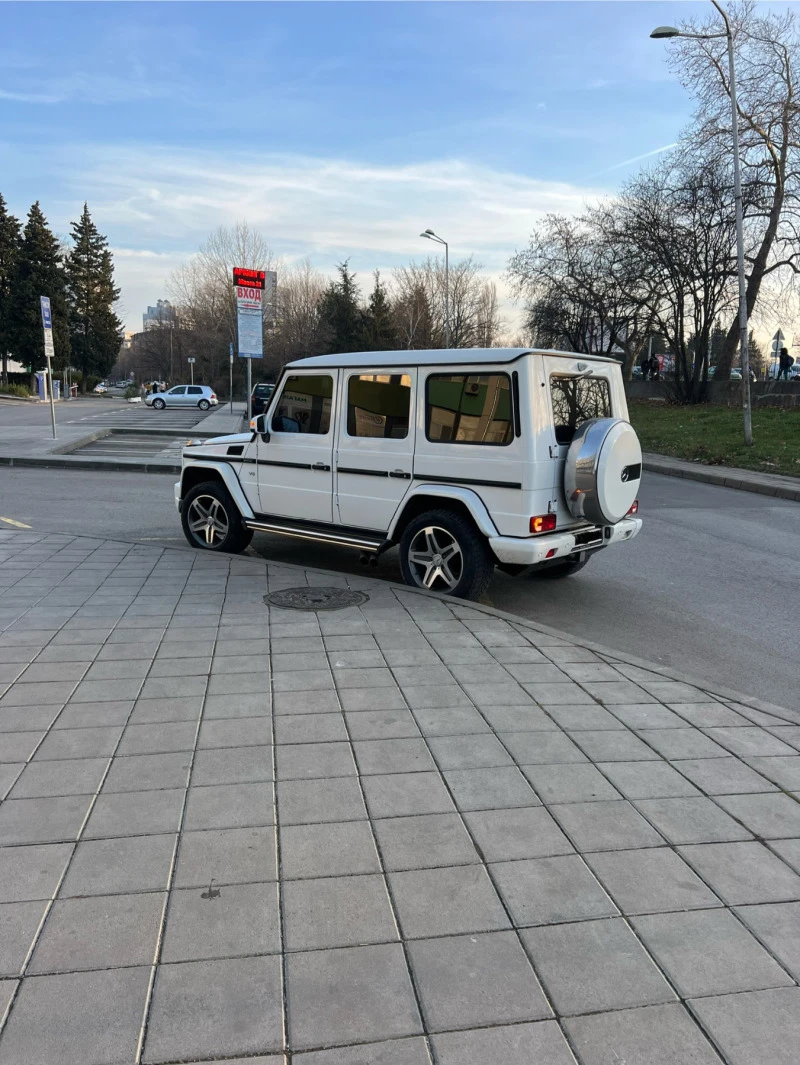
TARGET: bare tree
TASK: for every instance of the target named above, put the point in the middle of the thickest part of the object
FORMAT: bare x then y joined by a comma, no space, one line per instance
767,47
418,292
299,329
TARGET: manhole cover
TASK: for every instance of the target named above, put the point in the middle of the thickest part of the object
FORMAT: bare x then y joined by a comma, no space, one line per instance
315,598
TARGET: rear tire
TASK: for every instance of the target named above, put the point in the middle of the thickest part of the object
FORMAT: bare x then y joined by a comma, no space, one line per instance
441,551
211,520
159,404
203,404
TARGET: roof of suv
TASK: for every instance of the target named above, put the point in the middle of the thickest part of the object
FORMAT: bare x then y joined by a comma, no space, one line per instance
436,357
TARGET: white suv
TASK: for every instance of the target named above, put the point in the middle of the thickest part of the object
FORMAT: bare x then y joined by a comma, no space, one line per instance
467,459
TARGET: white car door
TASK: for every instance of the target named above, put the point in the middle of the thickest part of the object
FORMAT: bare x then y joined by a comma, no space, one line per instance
295,478
375,445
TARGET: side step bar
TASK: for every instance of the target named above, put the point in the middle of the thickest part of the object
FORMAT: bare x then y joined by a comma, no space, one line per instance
364,543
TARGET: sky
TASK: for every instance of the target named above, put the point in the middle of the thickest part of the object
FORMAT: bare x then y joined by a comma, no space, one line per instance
339,130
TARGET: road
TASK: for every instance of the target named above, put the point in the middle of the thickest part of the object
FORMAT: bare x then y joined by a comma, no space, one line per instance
711,586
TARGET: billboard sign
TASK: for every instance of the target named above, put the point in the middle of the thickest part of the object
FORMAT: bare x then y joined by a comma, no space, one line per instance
249,288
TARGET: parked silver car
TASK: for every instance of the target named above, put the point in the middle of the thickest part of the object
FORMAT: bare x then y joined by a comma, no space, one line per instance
183,396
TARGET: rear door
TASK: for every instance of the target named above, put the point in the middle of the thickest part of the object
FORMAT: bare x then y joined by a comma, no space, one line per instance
375,445
295,467
577,392
194,393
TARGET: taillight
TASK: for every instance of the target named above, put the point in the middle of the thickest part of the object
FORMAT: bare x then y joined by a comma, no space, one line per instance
634,507
213,396
544,523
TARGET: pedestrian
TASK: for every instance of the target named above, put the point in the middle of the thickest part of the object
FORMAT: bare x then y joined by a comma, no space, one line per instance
644,363
785,362
655,368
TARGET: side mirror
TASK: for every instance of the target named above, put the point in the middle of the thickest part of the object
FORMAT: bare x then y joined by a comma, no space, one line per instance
259,425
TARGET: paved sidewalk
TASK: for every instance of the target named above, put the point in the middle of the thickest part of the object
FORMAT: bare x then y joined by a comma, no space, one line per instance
766,484
487,844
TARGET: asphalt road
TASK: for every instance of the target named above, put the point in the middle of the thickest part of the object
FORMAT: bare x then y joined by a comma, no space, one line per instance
711,586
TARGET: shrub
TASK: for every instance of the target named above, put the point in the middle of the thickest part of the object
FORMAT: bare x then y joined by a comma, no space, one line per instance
16,390
131,392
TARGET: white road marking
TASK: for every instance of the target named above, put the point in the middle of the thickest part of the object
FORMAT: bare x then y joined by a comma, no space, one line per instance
16,524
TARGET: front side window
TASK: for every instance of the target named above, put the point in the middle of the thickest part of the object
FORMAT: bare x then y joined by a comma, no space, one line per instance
180,391
469,409
379,405
576,400
305,405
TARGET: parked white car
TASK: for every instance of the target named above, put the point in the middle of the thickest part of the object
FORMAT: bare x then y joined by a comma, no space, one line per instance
466,459
183,396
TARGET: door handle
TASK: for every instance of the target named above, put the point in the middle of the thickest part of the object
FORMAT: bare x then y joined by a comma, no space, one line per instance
320,466
401,474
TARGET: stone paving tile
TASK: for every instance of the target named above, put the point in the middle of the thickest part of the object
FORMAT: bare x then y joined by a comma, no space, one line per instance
756,1027
652,1035
489,789
709,953
768,816
306,802
692,820
440,902
541,1043
404,794
227,856
605,826
742,873
135,813
595,965
649,881
551,890
19,922
510,835
242,919
50,820
723,776
355,994
382,724
74,1018
99,932
778,926
472,981
72,776
231,765
210,1008
395,1052
336,849
424,841
340,911
230,806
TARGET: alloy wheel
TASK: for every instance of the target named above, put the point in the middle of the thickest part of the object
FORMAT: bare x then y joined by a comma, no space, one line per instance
435,559
208,520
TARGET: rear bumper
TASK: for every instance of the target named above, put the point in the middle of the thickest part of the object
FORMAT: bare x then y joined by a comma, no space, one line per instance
530,551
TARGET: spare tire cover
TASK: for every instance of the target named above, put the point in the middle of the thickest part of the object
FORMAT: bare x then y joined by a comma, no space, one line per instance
603,470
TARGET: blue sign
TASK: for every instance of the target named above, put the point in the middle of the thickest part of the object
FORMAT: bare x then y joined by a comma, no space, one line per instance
47,321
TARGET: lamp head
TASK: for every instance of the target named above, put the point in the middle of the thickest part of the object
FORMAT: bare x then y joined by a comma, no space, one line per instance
665,31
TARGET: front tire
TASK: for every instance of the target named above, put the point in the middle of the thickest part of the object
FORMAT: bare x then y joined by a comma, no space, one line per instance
441,551
158,404
203,404
211,519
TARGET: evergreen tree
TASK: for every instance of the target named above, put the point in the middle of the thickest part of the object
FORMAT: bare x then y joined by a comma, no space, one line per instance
38,272
95,330
10,238
380,331
340,312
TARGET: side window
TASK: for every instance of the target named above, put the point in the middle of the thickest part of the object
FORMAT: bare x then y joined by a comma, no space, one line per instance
378,405
304,405
469,409
193,390
576,400
179,391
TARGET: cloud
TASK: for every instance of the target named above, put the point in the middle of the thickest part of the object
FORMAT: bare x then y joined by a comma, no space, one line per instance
158,205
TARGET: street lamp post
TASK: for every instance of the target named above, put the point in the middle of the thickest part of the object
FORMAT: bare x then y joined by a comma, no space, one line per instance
430,235
671,31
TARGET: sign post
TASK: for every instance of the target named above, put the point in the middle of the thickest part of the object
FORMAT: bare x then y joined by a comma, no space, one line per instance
191,369
249,287
230,370
49,352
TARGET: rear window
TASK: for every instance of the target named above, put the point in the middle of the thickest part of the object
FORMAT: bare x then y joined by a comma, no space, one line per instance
469,409
195,391
263,390
577,400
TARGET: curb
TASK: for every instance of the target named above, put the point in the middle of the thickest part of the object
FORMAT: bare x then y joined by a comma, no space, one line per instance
724,476
68,462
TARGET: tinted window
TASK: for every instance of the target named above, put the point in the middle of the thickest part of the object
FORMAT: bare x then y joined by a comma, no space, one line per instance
575,400
469,409
194,391
263,390
305,405
379,405
179,391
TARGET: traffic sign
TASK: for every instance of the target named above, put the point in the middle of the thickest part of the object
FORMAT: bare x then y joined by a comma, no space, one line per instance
191,360
47,321
778,342
249,287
